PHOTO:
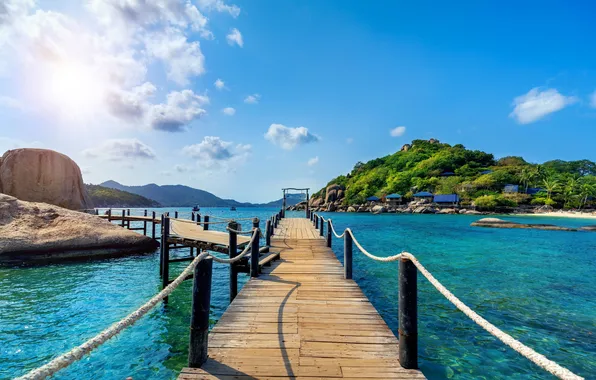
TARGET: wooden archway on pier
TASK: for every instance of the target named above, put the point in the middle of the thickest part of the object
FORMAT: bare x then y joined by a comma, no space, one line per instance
294,189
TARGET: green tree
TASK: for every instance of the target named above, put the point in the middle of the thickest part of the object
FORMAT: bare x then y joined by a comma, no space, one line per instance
551,184
586,190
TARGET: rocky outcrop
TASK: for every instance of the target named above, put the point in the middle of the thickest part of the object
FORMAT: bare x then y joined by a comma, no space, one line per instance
331,193
588,228
406,147
378,209
447,211
39,232
42,175
500,223
351,209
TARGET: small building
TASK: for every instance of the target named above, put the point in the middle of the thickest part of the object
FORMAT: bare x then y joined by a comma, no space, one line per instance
373,199
423,195
446,199
486,172
511,188
447,174
393,199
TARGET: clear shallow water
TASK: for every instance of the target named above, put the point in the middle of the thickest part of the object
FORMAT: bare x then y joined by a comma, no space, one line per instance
539,286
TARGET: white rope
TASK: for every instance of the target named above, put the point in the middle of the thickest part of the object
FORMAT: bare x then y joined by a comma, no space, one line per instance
536,358
335,233
241,255
238,231
77,353
197,222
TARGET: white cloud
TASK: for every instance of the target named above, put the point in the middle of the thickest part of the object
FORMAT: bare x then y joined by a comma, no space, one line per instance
219,84
182,58
180,109
213,152
110,52
229,111
220,6
593,100
235,37
289,138
349,140
252,99
121,149
7,143
397,131
537,104
313,161
8,102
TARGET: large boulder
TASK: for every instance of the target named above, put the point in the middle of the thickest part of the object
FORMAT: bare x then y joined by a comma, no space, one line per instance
42,175
500,223
351,209
378,209
315,202
39,232
331,193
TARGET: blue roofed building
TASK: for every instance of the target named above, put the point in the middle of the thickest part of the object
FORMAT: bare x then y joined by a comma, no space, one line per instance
423,195
446,199
393,199
373,199
534,190
486,172
447,174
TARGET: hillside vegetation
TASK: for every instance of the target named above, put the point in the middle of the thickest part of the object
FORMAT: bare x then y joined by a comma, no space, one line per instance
475,175
107,197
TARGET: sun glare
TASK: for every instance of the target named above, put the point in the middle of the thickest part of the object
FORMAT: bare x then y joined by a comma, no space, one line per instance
73,89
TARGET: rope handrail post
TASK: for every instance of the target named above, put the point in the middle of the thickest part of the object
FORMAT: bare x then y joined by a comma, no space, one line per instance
206,222
153,225
321,226
175,214
307,208
123,218
233,252
329,233
254,254
316,222
408,314
165,254
347,255
268,233
145,223
192,249
199,319
109,215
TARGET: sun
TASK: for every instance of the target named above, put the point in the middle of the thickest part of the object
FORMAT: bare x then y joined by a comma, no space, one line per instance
73,89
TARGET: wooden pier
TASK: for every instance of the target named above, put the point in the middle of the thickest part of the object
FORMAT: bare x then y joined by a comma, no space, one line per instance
301,319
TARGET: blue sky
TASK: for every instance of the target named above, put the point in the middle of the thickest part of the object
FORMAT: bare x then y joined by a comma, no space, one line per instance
306,88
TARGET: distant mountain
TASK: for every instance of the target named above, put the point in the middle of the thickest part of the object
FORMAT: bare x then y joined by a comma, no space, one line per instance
291,199
109,197
185,196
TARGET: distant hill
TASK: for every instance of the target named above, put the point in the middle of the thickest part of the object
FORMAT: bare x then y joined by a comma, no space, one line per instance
109,197
185,196
291,199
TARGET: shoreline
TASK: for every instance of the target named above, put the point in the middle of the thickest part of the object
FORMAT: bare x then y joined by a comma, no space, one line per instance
563,214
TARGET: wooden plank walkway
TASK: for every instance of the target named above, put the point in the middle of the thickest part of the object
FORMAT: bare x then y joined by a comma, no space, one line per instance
300,319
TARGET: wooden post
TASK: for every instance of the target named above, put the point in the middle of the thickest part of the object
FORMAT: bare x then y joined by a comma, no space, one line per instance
199,318
165,248
192,249
329,236
96,211
233,252
206,222
307,208
199,219
123,217
283,206
192,216
254,254
128,212
347,256
320,226
176,214
145,224
268,234
408,315
316,222
109,215
255,222
153,225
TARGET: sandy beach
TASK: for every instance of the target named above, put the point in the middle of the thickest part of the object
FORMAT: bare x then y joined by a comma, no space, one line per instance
565,214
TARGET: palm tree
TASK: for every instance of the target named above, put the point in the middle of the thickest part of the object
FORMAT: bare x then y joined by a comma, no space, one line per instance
586,190
526,176
570,190
551,184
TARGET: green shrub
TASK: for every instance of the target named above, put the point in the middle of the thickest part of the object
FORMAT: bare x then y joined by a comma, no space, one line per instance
486,202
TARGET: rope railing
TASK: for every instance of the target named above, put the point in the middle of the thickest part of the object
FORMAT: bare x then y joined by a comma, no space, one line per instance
79,352
195,222
529,353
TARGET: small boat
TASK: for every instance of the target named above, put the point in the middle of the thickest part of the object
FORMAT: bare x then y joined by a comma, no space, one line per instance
196,208
232,208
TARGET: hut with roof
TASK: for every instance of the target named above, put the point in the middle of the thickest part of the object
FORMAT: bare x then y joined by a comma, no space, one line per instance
423,195
446,199
373,199
393,199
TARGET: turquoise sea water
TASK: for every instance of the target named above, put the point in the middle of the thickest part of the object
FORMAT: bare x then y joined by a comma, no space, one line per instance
539,286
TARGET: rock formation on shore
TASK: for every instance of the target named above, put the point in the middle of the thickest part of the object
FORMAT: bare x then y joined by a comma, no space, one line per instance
42,175
39,232
500,223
